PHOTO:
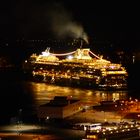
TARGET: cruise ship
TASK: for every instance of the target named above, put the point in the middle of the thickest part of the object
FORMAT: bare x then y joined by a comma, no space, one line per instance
81,68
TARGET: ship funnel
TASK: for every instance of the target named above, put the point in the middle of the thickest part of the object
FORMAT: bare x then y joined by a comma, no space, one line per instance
47,50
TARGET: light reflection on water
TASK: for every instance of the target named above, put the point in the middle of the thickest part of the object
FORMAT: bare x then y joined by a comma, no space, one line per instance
44,92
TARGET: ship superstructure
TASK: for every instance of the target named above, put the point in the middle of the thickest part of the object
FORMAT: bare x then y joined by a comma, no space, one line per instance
80,68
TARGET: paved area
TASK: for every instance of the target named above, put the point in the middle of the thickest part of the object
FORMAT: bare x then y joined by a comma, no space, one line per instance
36,132
24,132
95,116
15,136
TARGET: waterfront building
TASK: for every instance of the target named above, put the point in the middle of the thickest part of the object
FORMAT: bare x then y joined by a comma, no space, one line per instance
59,108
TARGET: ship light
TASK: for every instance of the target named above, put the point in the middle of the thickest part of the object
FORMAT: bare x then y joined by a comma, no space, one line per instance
70,57
45,53
112,67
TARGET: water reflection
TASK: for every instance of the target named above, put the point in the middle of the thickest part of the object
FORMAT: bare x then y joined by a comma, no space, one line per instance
44,92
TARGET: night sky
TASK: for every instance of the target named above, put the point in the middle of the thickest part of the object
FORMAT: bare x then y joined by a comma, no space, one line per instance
117,22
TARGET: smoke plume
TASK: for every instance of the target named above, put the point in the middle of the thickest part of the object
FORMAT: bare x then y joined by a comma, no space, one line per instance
63,24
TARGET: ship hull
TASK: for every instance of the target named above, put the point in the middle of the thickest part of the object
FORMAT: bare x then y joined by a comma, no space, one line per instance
80,82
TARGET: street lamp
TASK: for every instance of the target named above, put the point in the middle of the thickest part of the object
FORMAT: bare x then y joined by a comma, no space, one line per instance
20,116
121,114
137,104
104,116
